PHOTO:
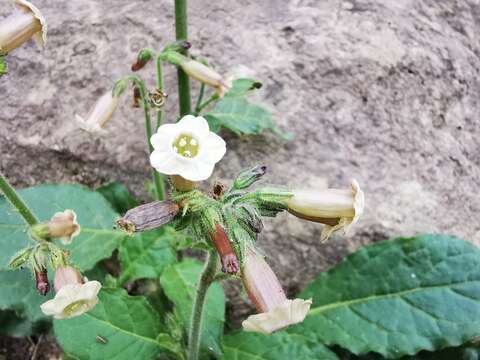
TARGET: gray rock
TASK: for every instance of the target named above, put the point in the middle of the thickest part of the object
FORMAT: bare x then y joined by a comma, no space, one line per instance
386,92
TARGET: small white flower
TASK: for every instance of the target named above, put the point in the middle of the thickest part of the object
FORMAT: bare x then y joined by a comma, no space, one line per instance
64,225
288,313
100,114
21,26
188,149
72,300
336,208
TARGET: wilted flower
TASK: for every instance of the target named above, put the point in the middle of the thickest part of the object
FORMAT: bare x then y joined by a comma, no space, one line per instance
188,149
64,225
21,26
100,114
224,248
265,291
41,280
336,208
73,296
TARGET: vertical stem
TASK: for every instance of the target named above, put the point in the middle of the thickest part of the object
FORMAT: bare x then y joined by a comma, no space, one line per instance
159,87
159,179
16,201
181,33
206,279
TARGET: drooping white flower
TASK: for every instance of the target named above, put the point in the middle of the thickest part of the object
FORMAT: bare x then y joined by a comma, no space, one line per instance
100,114
188,149
21,26
265,291
336,208
206,75
64,225
73,297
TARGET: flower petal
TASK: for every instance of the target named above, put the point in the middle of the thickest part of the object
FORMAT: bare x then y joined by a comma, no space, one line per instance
196,126
166,162
213,148
164,136
196,170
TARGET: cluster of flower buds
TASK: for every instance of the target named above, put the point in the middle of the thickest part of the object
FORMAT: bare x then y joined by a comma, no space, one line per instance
21,26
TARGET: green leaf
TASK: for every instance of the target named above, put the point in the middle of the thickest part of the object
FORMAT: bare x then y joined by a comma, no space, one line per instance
179,283
14,325
118,196
3,65
241,117
97,238
254,346
146,254
18,293
128,324
398,297
241,87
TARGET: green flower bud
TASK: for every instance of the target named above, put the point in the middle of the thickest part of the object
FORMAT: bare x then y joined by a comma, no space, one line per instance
144,56
20,258
247,177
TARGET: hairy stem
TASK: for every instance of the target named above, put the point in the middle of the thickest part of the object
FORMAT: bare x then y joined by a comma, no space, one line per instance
159,179
181,33
206,279
16,201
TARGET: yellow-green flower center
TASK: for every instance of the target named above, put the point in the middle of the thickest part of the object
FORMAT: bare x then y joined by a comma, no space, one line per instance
186,146
76,306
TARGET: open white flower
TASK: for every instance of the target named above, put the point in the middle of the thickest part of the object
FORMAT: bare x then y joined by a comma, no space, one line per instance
188,149
336,208
265,291
100,114
21,26
73,297
64,225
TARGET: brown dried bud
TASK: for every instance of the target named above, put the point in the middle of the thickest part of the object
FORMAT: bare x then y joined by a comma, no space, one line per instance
228,258
218,190
42,284
148,216
136,97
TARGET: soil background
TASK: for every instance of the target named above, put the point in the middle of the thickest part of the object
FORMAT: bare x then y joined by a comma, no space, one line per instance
386,92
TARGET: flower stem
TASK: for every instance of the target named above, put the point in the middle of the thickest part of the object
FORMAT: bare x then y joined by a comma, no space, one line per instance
160,87
181,33
200,98
17,201
213,98
206,279
157,179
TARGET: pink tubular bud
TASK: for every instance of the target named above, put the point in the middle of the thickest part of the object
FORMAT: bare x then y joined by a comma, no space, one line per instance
41,278
66,275
224,248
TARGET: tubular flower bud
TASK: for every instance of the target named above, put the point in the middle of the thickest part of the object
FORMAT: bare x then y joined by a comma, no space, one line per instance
64,225
206,75
265,291
21,26
247,177
188,149
100,114
73,296
224,248
144,56
336,208
41,279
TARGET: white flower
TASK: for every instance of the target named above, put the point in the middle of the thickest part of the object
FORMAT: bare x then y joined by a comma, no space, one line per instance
206,75
288,313
336,208
100,114
73,297
188,149
64,225
21,26
265,291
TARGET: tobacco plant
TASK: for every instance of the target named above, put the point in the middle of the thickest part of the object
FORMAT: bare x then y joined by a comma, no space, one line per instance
416,298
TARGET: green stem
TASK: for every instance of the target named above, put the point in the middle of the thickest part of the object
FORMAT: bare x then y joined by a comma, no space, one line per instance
206,279
157,179
199,99
181,33
17,201
160,87
213,98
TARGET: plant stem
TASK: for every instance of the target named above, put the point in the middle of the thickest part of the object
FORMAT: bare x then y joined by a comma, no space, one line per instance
157,179
213,98
206,279
159,87
17,201
200,98
181,33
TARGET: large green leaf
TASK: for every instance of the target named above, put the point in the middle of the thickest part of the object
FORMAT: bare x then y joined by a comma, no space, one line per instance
241,87
118,196
241,117
146,254
398,297
254,346
179,283
96,217
18,293
120,327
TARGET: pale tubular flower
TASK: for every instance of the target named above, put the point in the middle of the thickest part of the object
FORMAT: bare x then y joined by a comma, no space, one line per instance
336,208
73,297
206,75
265,291
100,114
188,149
64,225
21,26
